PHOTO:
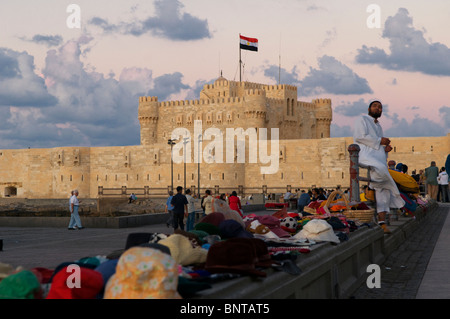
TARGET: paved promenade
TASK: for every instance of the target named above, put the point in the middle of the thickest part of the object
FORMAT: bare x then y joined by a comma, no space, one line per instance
419,268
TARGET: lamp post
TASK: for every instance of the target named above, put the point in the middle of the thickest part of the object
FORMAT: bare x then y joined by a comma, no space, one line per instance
185,141
198,164
171,143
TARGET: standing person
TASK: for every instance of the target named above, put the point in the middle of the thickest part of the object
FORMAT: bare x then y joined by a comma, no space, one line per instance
317,195
169,210
75,221
443,185
447,164
374,148
303,200
421,182
207,202
287,196
203,207
235,203
70,201
391,165
180,210
431,174
191,211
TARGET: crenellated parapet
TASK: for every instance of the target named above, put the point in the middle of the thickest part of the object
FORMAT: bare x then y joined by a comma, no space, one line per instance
323,110
148,108
226,103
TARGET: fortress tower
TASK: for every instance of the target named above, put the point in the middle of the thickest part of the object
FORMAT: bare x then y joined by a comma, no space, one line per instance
148,114
324,116
255,108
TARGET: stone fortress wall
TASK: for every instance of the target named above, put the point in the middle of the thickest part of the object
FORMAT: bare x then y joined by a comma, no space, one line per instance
307,155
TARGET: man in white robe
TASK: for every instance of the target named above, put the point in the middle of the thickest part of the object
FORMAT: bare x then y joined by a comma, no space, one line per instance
368,134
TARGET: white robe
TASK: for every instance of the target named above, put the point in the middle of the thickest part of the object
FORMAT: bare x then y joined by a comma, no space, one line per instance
367,134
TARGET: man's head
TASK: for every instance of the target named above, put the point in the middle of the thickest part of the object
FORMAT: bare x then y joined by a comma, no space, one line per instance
433,163
75,192
188,191
375,109
208,192
391,163
179,189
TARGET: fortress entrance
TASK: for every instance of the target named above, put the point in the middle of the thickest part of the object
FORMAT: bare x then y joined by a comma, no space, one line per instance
10,191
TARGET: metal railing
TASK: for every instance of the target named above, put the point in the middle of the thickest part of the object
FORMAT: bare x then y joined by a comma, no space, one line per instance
148,192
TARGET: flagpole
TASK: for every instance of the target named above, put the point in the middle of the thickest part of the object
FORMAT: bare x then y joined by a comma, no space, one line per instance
240,60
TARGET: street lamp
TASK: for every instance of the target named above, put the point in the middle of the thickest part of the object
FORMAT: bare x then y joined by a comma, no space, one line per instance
185,141
171,143
198,164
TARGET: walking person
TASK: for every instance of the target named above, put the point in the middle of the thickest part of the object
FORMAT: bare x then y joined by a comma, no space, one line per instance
443,185
180,210
235,203
431,174
374,148
191,211
169,210
207,202
75,221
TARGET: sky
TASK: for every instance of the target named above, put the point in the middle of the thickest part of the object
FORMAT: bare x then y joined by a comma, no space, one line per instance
71,72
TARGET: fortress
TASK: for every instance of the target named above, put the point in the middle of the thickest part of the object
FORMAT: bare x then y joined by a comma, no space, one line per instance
237,104
306,154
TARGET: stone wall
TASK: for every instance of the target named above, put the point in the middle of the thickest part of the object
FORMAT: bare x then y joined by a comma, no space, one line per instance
53,173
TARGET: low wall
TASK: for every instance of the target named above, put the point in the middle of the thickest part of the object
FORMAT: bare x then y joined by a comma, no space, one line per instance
329,271
97,221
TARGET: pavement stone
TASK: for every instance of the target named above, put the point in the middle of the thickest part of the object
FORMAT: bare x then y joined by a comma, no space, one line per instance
404,271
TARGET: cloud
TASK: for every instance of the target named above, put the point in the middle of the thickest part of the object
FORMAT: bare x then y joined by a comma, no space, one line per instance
444,113
47,40
89,109
357,108
169,22
333,77
418,127
340,131
168,84
275,72
410,51
19,84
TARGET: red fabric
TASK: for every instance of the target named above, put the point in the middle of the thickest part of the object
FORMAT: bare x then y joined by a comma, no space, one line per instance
276,205
91,283
235,204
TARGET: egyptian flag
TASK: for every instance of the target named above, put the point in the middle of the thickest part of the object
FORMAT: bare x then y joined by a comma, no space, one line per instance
249,43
